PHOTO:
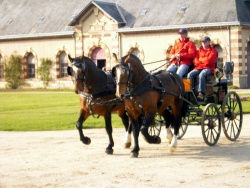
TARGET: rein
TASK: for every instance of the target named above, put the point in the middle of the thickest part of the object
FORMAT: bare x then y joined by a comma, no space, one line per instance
131,92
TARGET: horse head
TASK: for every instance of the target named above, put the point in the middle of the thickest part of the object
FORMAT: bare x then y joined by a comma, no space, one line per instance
123,75
77,71
129,72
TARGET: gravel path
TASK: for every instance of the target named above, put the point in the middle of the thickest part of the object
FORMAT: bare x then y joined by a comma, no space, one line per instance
59,159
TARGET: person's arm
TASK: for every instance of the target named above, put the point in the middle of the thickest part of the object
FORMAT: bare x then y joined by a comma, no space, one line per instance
190,53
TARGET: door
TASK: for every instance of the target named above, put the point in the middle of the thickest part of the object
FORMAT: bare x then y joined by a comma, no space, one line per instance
99,57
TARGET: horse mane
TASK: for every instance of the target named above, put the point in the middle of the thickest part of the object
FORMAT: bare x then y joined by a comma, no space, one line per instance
136,62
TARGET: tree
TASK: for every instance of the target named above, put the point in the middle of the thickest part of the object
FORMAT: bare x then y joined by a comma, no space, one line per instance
44,71
13,71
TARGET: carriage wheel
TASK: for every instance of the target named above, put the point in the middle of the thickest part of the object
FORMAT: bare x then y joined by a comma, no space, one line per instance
211,124
231,116
183,127
155,127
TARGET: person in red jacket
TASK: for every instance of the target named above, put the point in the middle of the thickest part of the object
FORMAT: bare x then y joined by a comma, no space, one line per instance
204,65
182,54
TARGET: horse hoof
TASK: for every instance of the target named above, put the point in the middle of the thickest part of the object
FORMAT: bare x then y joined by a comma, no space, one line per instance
169,138
109,151
127,145
134,155
158,140
172,149
86,141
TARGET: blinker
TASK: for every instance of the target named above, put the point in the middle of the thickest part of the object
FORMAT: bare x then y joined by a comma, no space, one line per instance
69,71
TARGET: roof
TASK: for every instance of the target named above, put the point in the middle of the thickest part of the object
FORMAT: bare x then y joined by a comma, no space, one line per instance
25,18
108,8
167,14
41,18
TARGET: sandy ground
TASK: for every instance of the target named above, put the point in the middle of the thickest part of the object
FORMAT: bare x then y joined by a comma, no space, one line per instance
59,159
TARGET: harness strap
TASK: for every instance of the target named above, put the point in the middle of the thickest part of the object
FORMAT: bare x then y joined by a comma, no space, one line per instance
103,93
159,103
90,97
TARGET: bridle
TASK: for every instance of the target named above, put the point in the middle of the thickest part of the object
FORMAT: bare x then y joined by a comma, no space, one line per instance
131,89
128,72
77,63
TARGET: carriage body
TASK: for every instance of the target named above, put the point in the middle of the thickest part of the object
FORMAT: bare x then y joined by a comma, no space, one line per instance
220,108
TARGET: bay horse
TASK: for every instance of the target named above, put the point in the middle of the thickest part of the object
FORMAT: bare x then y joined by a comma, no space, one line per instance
96,86
145,95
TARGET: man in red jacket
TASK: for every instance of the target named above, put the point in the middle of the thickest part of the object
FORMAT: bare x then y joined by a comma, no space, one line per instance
182,54
204,65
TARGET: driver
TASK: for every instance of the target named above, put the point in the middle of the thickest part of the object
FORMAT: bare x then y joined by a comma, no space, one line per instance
182,54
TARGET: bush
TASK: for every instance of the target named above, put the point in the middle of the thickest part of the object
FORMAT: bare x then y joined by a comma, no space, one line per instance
44,71
13,71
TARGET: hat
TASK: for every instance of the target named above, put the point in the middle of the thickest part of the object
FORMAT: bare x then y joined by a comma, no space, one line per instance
182,31
205,39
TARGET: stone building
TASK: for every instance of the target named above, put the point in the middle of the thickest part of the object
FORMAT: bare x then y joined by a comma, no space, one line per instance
53,29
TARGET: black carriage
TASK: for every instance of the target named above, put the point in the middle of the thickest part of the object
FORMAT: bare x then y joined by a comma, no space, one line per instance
221,108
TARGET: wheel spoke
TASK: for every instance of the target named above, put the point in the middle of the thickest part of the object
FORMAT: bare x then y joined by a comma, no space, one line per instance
232,116
211,124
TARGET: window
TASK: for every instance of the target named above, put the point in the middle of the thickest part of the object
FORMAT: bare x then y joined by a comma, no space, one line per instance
31,66
1,67
63,64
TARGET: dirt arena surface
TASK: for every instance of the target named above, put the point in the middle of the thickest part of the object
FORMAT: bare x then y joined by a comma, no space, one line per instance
59,159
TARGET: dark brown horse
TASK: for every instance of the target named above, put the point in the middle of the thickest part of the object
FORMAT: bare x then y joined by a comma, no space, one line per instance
145,95
96,86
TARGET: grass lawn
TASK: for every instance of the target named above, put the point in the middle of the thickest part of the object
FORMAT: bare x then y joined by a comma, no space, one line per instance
40,111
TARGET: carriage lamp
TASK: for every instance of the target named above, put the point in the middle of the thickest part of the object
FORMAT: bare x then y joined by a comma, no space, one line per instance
228,70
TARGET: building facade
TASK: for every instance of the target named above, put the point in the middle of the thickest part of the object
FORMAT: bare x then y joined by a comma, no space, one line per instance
98,29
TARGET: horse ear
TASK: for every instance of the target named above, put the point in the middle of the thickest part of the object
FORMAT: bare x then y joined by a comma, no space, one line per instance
115,57
127,59
70,58
81,57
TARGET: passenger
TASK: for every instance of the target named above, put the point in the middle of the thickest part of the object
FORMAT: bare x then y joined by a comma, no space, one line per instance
204,65
182,54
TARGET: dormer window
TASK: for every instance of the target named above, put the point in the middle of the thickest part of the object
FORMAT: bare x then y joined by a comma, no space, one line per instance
9,21
40,19
183,9
144,11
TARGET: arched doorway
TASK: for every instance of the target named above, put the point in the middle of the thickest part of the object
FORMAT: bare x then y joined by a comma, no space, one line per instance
220,56
99,57
248,64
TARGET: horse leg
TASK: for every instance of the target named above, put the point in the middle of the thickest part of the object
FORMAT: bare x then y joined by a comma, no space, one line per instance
168,119
84,139
109,130
136,149
148,119
128,128
176,124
